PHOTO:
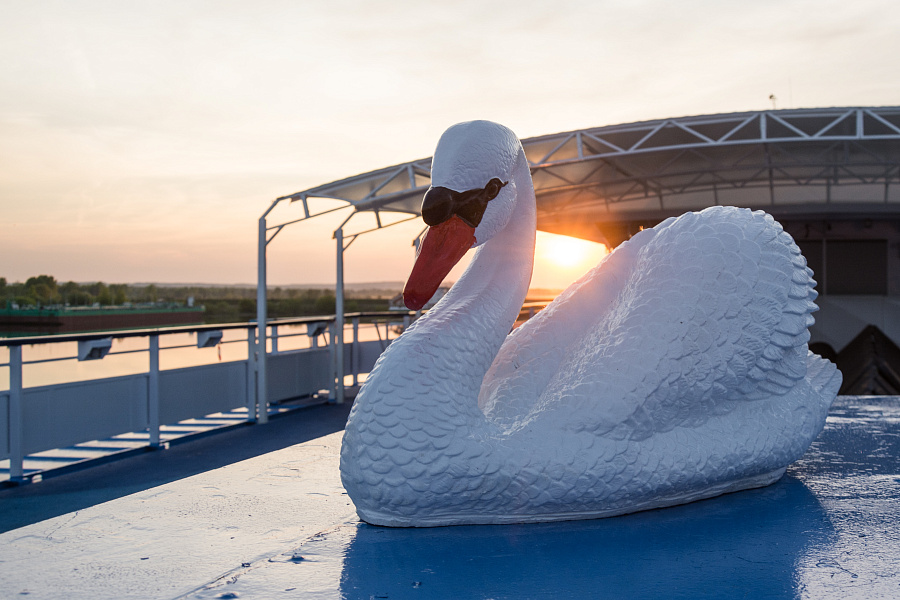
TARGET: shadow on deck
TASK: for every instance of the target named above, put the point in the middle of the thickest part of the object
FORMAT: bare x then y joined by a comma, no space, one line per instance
145,468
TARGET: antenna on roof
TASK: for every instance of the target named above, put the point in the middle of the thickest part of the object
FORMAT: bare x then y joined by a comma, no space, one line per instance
773,99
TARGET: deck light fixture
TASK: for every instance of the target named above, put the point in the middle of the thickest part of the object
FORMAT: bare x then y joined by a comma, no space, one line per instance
316,329
94,349
209,339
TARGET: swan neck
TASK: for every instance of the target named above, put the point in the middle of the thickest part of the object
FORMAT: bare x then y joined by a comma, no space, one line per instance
483,304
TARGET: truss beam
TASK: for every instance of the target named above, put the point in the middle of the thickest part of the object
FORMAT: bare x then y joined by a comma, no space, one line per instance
617,166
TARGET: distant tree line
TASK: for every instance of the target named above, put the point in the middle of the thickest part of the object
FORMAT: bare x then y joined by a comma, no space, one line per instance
45,291
222,304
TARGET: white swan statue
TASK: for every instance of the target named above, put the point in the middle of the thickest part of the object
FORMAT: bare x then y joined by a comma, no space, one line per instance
675,370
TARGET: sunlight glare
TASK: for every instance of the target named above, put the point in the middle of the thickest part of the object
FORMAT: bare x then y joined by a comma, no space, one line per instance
560,259
568,252
565,251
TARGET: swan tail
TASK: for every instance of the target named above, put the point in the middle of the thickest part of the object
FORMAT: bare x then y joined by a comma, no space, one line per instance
773,345
765,304
824,380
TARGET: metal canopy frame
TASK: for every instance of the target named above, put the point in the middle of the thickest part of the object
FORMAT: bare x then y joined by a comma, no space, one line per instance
620,165
603,183
812,161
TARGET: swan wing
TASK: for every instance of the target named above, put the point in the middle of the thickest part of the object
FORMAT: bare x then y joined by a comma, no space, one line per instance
706,312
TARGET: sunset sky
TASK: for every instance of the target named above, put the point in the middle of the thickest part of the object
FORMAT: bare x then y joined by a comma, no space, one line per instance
141,140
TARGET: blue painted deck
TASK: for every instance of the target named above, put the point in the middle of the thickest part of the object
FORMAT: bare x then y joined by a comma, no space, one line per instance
829,529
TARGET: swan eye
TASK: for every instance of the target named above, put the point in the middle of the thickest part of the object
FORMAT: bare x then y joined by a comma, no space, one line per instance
493,188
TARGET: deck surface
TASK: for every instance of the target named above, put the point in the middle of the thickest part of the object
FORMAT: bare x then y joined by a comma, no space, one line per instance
279,525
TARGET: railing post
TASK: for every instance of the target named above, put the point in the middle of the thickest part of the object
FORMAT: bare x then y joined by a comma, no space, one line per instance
251,375
355,350
16,429
153,392
274,339
332,354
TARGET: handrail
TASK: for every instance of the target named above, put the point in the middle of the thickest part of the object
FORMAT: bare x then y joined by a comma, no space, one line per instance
119,334
127,333
529,309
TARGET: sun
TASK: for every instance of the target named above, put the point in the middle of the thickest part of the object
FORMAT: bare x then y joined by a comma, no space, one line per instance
565,251
560,259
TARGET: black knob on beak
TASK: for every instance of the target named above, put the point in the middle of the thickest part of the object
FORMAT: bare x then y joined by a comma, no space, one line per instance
437,205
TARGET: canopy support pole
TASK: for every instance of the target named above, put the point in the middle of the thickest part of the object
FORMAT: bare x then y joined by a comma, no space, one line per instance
339,317
261,405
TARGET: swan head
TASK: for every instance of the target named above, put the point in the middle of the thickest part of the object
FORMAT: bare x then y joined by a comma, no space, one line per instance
471,199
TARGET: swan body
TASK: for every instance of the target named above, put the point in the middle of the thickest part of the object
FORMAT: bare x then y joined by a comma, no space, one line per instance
675,370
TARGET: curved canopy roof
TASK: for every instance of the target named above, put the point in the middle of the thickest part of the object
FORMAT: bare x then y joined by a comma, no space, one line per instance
603,183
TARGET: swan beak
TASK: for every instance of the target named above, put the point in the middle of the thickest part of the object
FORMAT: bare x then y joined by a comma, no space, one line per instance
441,248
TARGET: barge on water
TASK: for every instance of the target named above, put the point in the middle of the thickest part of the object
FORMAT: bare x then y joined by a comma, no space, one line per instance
53,320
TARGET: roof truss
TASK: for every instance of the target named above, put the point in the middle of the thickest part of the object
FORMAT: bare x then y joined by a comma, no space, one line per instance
604,170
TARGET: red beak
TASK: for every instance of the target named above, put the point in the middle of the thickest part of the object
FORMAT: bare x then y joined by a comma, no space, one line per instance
440,250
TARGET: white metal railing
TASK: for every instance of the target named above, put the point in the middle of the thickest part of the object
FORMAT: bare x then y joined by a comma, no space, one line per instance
302,360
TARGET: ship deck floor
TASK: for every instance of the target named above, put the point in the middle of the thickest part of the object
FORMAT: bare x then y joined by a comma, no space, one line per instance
259,512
